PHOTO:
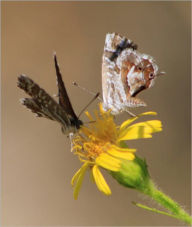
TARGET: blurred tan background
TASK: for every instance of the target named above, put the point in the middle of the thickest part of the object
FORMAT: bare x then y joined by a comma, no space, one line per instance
37,164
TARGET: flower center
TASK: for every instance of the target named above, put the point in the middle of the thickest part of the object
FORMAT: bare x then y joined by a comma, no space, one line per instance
93,150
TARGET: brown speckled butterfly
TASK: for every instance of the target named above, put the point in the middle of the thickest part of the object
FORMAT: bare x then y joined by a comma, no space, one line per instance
44,105
125,73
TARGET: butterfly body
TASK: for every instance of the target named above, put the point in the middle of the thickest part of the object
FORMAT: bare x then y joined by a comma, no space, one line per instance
125,73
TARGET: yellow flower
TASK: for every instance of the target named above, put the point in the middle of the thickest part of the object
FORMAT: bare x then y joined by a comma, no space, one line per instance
100,145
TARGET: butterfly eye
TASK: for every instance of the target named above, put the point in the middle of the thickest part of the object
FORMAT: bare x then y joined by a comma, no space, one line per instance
151,75
140,68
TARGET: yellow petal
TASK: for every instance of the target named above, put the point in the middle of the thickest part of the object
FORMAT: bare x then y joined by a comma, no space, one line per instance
129,121
101,108
141,130
75,177
76,147
108,162
123,149
123,153
78,177
89,116
100,181
85,131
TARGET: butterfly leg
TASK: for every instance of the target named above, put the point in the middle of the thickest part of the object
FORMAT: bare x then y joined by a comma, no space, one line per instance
131,114
71,134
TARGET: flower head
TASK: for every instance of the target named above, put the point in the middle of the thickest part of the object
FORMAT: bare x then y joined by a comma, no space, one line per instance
101,145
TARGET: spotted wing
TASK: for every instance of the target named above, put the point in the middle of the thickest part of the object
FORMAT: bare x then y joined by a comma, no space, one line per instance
115,91
125,73
43,104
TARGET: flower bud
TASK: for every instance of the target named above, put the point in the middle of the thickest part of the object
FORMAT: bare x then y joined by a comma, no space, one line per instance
133,174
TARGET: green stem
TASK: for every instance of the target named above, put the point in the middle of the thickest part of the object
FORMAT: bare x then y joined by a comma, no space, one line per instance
153,210
167,203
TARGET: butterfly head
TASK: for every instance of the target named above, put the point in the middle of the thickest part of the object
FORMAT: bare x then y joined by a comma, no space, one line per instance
76,123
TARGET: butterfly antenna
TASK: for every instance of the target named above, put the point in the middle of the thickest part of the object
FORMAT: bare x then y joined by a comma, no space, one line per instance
88,91
92,100
161,73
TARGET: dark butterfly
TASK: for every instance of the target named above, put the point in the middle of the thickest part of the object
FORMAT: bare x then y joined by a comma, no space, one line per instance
44,105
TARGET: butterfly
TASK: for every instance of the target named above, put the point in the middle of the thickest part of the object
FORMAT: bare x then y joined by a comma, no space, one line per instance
44,105
125,73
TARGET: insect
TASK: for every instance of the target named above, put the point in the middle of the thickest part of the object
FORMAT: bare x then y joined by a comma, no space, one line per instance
125,73
44,105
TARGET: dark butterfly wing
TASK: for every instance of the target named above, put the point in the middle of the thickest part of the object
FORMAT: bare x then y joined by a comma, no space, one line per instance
34,107
64,100
63,96
43,104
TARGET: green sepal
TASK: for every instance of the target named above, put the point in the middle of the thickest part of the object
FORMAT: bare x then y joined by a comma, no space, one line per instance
133,174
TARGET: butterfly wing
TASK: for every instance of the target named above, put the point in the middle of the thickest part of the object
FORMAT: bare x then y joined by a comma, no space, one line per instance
64,100
43,104
125,73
